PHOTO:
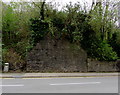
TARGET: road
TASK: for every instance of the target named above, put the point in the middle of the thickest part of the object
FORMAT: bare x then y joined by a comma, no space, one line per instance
61,85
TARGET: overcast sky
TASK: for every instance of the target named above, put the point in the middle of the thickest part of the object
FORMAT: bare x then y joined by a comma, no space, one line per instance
60,1
51,0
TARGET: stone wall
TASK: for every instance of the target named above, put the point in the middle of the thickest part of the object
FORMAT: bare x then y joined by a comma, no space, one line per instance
56,56
102,66
50,55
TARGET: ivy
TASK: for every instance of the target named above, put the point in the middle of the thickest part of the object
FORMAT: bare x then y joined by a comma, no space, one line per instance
39,29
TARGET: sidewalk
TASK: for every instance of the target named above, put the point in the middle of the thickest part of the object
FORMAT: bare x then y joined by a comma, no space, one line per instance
43,75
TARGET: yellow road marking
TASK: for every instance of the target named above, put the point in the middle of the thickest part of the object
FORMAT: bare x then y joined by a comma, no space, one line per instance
56,77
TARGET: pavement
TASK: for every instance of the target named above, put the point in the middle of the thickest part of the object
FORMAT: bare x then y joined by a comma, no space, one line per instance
42,75
59,82
61,85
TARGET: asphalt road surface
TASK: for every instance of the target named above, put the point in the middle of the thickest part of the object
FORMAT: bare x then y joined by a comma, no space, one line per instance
61,85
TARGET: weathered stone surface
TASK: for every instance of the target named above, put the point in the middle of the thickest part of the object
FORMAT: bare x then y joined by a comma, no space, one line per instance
118,64
101,66
56,55
50,55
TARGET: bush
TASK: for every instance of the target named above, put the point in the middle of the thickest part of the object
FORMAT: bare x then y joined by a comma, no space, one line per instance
39,29
115,42
101,50
104,52
96,48
10,56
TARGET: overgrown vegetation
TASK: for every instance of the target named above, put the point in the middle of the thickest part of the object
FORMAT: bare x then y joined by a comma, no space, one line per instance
25,24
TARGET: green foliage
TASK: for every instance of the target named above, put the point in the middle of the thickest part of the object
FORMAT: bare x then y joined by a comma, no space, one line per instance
115,42
74,20
102,20
58,20
100,29
24,24
95,47
39,30
103,51
9,23
15,60
92,30
0,15
57,24
15,30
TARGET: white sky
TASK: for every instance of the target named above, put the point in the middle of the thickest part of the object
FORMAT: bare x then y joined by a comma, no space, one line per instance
50,0
60,1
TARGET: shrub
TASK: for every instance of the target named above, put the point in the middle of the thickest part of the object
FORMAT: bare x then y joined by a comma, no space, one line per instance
39,30
115,42
10,56
105,52
101,50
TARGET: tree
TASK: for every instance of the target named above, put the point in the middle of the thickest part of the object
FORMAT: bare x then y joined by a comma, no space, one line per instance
103,20
9,25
